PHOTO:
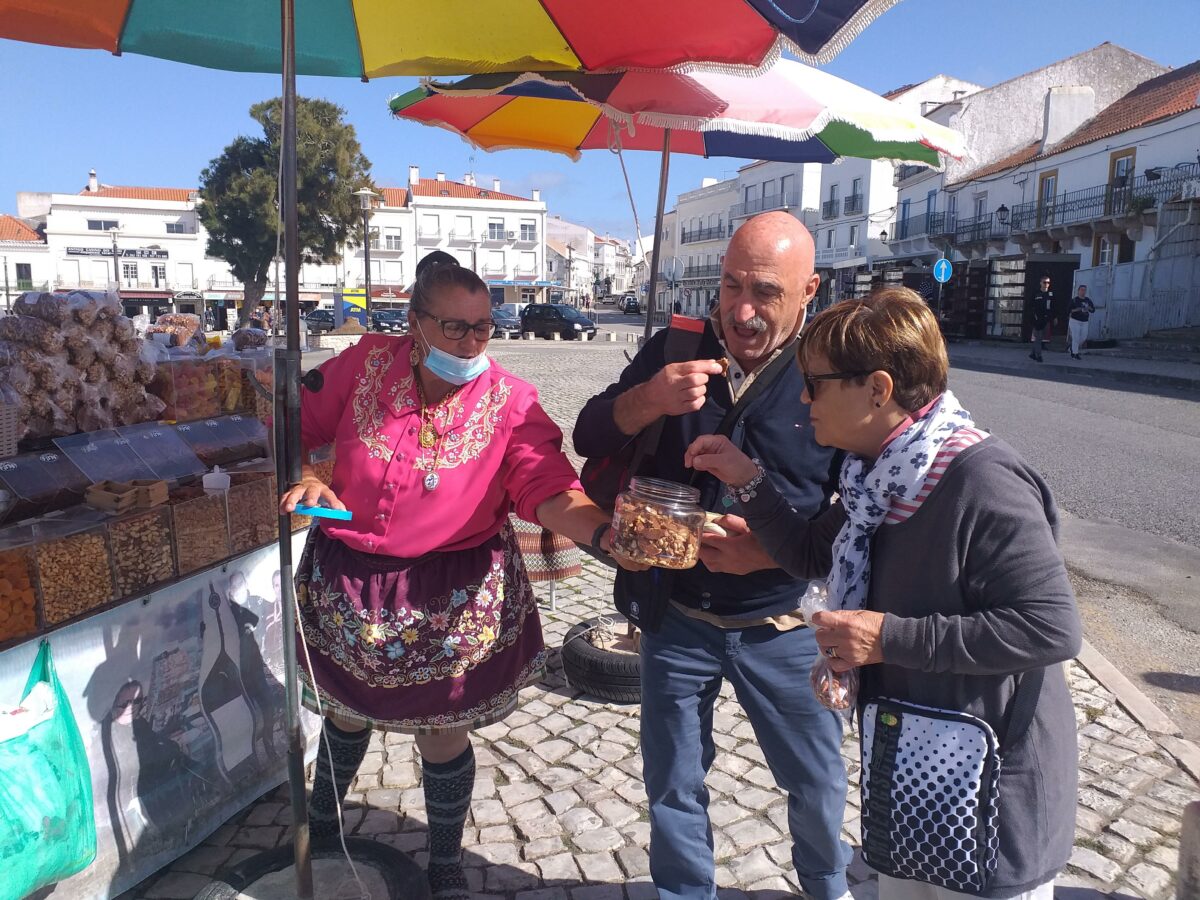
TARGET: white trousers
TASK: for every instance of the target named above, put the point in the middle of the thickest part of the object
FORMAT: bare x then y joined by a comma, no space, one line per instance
1078,333
899,889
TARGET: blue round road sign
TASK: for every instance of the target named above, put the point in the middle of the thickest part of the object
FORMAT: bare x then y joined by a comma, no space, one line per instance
942,270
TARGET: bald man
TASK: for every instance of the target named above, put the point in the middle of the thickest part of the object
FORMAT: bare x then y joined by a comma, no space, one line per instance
733,616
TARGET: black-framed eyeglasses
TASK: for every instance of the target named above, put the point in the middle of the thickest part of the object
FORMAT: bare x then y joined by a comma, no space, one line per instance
810,381
456,329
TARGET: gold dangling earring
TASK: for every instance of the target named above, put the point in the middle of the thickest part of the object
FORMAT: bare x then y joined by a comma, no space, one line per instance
414,356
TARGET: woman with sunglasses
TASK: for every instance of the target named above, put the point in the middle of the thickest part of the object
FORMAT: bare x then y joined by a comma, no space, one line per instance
418,614
947,589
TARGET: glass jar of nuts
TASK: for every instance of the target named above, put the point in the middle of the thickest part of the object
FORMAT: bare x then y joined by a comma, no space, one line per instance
658,523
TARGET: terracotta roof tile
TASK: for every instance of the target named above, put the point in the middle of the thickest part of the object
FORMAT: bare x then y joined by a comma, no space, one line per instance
394,196
13,229
903,89
117,192
431,187
1018,157
1167,95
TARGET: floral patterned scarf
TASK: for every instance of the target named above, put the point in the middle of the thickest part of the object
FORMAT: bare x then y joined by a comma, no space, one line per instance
868,490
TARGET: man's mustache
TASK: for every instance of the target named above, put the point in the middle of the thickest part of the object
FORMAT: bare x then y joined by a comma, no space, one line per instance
754,323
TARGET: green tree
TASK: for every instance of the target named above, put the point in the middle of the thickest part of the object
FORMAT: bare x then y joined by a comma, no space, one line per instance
238,193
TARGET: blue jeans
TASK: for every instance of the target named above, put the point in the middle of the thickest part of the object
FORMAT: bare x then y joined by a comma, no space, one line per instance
682,669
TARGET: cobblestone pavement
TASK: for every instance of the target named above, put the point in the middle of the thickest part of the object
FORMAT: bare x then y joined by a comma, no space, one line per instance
559,811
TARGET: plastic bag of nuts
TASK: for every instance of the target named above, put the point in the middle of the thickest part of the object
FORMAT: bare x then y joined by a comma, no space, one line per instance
74,571
658,523
200,527
18,596
835,690
141,550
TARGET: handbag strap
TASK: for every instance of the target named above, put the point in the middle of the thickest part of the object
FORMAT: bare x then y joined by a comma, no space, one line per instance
1024,705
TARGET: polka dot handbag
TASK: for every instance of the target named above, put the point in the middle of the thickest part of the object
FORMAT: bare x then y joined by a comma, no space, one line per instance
931,788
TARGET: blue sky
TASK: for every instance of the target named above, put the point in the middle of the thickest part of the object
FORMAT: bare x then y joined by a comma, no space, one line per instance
147,122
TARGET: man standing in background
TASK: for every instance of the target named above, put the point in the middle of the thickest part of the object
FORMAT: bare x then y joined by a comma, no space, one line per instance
1081,310
1041,303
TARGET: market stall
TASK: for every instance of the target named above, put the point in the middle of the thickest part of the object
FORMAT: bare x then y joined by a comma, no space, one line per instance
138,530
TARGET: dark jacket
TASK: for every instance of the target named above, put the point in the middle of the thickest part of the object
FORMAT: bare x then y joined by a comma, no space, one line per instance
1041,307
1082,308
774,430
974,592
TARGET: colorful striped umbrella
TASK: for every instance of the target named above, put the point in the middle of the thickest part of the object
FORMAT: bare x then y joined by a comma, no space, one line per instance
372,38
790,113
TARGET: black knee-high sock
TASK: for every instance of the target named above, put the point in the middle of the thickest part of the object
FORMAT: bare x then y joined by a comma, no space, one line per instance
448,788
348,749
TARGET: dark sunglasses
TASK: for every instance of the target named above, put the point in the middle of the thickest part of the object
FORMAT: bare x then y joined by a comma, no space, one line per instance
810,381
456,329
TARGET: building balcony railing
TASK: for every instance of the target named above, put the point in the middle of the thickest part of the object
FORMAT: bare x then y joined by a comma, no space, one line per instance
714,233
526,237
494,269
932,224
830,209
980,228
853,205
903,173
701,271
26,284
1105,200
828,255
494,238
785,200
429,235
462,236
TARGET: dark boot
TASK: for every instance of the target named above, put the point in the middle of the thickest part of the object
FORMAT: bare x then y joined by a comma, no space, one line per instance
448,787
348,749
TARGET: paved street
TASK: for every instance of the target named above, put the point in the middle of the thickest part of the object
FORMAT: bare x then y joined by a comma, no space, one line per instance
559,810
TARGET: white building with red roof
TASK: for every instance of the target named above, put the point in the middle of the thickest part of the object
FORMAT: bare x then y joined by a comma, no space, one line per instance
24,259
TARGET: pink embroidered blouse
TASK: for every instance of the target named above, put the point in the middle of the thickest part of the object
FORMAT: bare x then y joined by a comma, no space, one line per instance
499,452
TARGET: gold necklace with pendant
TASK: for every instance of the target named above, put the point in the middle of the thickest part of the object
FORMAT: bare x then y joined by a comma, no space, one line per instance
428,437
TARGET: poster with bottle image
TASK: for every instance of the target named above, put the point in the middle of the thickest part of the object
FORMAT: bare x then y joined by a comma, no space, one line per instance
180,701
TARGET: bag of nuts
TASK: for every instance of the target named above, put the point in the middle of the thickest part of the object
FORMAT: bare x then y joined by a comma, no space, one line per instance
835,690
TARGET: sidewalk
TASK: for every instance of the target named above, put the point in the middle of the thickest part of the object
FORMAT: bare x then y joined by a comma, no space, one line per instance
559,811
1013,358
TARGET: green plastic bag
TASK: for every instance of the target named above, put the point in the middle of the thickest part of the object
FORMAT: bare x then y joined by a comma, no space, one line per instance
47,827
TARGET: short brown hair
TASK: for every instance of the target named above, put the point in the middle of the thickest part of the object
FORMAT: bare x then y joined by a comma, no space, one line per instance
892,330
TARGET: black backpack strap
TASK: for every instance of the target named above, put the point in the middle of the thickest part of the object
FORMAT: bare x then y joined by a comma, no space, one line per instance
1022,708
682,345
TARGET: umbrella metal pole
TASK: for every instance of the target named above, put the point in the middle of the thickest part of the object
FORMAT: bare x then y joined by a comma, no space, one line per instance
288,452
652,300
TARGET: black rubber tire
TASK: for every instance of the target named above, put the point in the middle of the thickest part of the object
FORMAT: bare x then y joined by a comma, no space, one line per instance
603,674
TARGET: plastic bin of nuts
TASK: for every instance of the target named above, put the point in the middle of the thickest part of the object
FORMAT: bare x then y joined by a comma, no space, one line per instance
73,566
253,511
18,584
200,526
141,550
658,523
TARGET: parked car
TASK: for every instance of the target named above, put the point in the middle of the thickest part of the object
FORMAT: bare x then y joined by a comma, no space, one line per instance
629,304
319,320
510,309
506,324
390,321
546,319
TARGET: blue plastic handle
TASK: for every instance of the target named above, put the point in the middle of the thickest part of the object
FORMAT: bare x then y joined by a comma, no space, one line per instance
324,512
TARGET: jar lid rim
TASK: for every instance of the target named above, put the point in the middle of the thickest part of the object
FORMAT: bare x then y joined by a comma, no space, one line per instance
661,489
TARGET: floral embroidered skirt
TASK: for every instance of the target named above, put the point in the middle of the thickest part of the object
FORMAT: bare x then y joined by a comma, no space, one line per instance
417,645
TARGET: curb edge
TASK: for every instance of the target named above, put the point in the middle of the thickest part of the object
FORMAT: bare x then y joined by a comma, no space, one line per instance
1144,711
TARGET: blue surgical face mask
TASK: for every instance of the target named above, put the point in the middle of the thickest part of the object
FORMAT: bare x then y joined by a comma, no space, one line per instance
450,368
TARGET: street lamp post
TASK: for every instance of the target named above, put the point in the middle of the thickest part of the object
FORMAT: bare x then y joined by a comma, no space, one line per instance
7,296
116,258
365,196
476,243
